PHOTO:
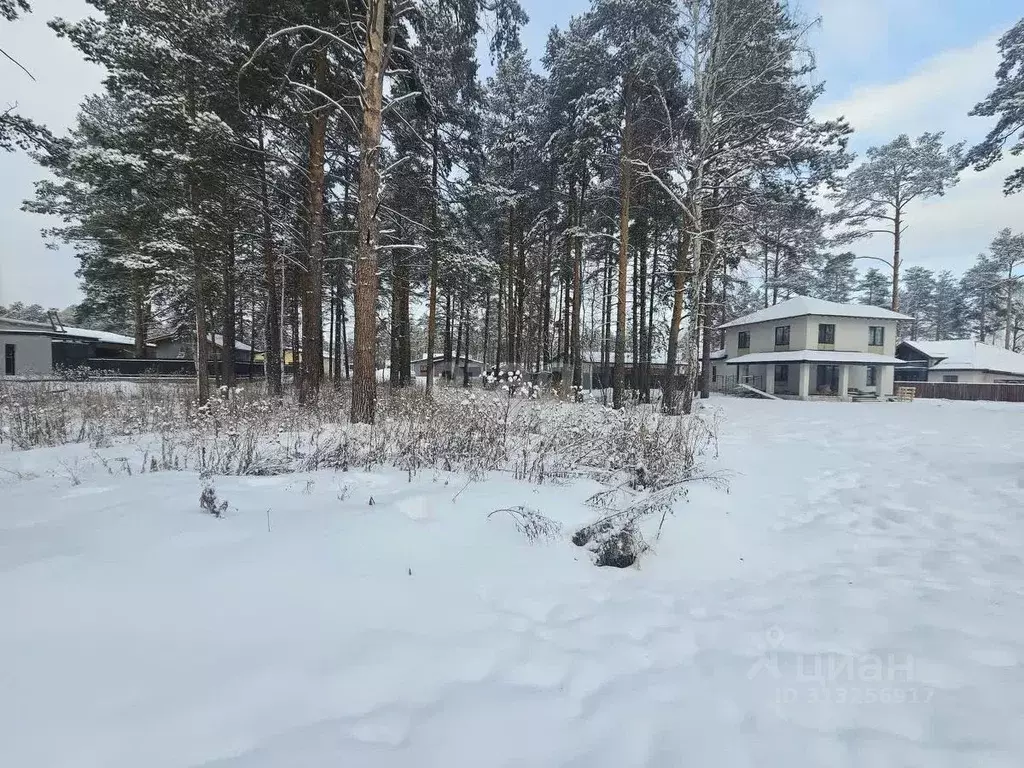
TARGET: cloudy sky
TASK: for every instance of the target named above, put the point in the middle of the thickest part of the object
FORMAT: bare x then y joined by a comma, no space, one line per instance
890,66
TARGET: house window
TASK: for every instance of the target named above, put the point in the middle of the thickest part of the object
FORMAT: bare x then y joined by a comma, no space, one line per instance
872,376
782,336
950,378
781,374
744,339
876,336
826,333
9,359
714,373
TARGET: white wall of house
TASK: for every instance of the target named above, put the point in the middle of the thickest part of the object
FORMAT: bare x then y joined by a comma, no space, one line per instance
33,355
968,376
852,335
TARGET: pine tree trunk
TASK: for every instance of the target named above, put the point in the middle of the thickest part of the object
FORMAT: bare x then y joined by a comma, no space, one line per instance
576,352
339,325
449,329
312,276
364,380
896,261
545,289
606,323
202,352
293,309
498,326
568,303
332,292
272,370
649,351
396,322
709,268
640,362
458,341
706,320
634,324
1009,305
344,339
521,360
227,354
487,327
696,283
675,326
140,312
766,272
434,258
625,183
465,363
510,302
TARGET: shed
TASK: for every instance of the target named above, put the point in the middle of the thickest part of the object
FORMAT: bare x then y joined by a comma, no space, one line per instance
26,346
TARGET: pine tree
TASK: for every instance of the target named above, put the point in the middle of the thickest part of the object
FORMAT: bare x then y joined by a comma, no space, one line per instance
874,288
1007,254
950,320
875,196
979,288
918,300
1006,101
837,278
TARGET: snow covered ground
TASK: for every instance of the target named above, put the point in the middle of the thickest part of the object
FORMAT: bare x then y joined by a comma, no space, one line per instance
856,598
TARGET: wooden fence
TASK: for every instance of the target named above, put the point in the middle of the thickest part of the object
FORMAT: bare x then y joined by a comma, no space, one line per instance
1006,393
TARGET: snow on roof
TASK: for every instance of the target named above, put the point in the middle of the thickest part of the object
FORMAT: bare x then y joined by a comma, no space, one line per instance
219,341
102,336
719,354
216,338
440,359
26,323
970,355
814,356
799,306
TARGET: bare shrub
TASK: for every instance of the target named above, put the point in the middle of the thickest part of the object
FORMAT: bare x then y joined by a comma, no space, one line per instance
208,500
643,458
531,523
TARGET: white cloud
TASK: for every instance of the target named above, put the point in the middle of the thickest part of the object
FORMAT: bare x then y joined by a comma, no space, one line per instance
946,232
855,31
938,96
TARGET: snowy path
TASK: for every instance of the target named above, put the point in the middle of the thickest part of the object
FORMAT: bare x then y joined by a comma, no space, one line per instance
855,599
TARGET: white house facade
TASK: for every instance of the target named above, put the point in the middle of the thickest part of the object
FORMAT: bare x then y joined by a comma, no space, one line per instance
808,347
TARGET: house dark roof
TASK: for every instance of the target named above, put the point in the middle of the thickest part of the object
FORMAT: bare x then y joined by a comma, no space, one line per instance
216,339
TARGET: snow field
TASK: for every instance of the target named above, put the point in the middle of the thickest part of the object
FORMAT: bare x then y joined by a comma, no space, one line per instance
854,598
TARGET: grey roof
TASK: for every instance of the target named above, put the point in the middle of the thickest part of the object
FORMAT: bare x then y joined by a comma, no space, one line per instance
799,306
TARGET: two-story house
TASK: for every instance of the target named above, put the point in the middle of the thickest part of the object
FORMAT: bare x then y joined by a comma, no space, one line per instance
807,347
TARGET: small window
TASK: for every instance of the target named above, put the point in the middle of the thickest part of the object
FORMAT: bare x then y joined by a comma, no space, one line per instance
876,335
782,336
872,376
950,379
781,374
744,342
714,373
826,333
9,359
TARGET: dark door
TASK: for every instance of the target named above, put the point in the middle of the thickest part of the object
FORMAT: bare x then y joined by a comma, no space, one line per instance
828,378
9,359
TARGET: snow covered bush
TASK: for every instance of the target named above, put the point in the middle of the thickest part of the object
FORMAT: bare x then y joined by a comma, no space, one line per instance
208,500
642,458
531,523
